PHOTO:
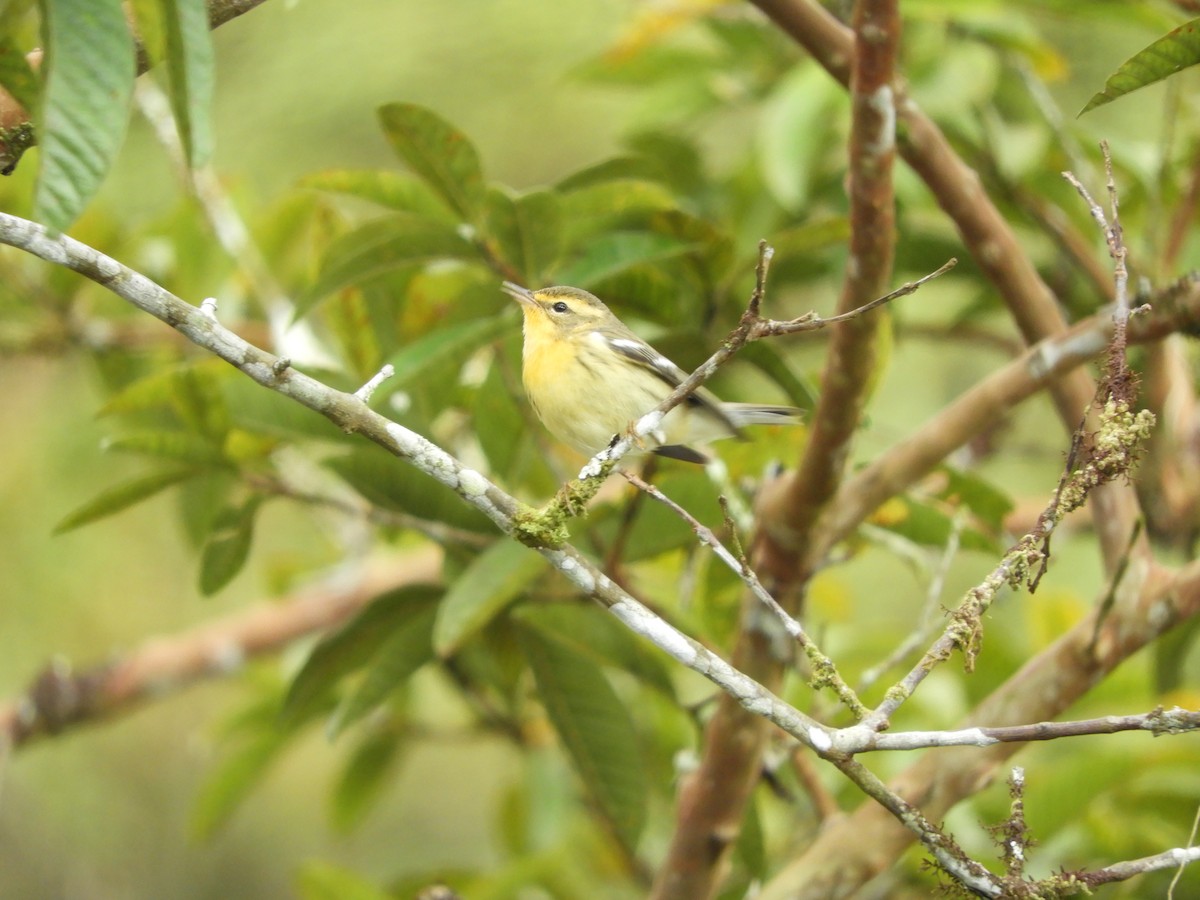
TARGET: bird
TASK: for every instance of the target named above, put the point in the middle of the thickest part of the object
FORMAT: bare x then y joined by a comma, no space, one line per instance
588,376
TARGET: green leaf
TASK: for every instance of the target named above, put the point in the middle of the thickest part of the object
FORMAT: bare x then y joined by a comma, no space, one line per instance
393,484
613,253
499,425
617,168
122,496
594,633
813,236
408,646
382,246
764,357
180,446
1171,652
523,231
325,881
595,728
363,777
89,73
751,843
268,412
189,389
927,525
228,546
351,647
438,152
983,498
190,67
625,203
1171,53
449,342
493,580
676,158
795,132
233,780
394,190
16,75
657,529
202,498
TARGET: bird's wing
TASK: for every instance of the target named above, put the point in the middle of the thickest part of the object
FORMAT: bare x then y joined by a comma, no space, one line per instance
643,354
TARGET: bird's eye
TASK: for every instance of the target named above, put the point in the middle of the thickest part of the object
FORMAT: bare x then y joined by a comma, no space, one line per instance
560,307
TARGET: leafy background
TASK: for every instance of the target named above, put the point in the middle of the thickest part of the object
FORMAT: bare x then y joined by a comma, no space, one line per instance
713,114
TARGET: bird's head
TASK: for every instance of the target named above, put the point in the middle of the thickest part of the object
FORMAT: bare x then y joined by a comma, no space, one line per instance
559,310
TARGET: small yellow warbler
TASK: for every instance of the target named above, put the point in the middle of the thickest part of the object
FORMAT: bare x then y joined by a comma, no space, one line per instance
588,377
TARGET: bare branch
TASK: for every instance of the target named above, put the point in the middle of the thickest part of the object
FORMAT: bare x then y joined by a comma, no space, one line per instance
62,699
825,673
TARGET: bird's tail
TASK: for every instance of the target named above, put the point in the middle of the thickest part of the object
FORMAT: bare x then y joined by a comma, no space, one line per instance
757,414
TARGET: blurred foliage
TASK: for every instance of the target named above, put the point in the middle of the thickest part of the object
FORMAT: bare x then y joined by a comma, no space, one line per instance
728,135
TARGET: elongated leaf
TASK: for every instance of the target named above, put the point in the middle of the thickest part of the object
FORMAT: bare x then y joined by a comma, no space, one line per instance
447,343
122,496
352,647
381,246
624,199
499,425
190,66
394,190
191,389
596,634
523,231
233,780
177,445
1171,53
16,75
1170,656
364,776
89,72
984,499
393,484
228,547
409,645
618,168
325,881
268,412
201,500
493,580
595,728
611,254
439,153
793,133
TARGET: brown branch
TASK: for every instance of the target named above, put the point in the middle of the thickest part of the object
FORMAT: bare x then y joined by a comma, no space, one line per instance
992,242
713,799
61,699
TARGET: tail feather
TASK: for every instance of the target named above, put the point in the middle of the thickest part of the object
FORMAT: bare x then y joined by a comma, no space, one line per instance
757,414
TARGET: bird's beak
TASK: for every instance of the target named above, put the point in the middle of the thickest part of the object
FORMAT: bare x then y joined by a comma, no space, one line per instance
518,293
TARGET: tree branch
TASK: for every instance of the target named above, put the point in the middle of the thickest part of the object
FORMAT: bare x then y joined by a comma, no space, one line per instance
60,699
200,325
713,799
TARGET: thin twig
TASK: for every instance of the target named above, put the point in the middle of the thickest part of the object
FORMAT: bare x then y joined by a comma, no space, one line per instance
933,599
1182,863
825,674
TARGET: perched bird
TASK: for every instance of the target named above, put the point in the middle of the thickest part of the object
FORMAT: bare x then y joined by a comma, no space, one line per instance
588,376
